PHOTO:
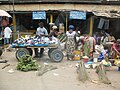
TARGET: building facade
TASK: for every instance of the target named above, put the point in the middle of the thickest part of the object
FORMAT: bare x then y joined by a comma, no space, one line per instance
88,13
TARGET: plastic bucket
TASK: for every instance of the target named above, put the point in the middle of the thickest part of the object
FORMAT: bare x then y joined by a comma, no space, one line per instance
85,60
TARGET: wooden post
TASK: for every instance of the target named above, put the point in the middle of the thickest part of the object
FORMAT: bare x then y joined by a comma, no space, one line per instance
66,22
14,22
51,18
91,26
14,25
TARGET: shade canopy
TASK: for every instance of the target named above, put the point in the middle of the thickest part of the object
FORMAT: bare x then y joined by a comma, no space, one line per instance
4,13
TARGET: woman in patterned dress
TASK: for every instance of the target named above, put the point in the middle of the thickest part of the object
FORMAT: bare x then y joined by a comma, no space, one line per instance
70,43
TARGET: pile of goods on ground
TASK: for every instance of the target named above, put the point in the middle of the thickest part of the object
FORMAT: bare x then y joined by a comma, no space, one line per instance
26,63
34,41
117,61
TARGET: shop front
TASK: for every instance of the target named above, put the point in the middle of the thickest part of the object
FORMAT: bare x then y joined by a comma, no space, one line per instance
55,13
108,22
27,21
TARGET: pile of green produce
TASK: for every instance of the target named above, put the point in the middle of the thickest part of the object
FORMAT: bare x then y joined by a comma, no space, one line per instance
27,64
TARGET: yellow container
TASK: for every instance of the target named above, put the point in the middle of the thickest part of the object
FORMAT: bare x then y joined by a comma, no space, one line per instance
76,55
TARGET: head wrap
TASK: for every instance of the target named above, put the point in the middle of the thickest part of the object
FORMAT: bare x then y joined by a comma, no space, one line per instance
54,27
71,27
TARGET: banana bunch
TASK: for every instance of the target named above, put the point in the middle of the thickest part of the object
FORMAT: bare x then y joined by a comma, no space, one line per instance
27,64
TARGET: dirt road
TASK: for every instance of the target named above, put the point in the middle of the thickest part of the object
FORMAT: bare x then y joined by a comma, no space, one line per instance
63,78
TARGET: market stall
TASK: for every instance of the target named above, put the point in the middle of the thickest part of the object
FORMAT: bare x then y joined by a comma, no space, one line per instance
28,44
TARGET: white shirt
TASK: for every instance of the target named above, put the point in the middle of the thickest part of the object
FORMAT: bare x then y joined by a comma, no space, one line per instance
41,31
104,40
70,35
7,32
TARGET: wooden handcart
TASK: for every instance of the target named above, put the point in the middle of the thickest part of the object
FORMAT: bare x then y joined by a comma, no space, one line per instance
54,53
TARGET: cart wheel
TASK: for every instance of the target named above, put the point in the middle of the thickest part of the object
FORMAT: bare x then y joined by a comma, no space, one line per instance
30,51
49,52
1,51
56,55
21,52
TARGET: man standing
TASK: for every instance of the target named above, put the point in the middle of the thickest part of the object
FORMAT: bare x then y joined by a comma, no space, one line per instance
42,32
7,34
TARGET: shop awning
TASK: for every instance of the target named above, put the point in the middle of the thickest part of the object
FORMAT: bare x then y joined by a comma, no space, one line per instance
62,7
107,14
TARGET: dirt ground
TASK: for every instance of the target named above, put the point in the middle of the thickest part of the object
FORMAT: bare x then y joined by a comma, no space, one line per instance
63,78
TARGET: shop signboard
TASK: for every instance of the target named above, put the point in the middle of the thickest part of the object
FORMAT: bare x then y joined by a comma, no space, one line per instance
38,15
77,15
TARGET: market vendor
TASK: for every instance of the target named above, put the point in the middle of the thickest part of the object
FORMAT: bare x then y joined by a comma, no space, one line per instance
111,38
70,43
115,49
42,32
104,39
54,32
88,45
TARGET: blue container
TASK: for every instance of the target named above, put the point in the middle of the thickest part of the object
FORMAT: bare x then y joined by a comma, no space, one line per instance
119,69
41,45
89,62
101,57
